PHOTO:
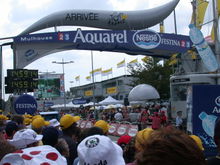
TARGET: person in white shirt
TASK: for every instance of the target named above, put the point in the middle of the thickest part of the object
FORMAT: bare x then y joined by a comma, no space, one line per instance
179,120
118,116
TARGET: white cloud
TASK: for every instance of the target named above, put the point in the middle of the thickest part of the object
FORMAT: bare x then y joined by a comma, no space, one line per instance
34,4
16,15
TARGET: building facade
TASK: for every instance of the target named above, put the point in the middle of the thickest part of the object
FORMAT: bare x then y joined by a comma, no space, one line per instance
117,87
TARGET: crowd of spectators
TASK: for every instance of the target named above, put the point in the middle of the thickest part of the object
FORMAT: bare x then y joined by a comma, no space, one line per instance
64,142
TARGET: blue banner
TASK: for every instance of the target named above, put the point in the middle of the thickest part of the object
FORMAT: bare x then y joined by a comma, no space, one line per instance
205,112
28,48
80,101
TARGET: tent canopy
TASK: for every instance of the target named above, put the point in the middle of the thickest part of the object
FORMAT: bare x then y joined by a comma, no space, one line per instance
109,100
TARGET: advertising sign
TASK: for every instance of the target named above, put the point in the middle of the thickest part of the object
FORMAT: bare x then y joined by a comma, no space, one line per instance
49,86
203,48
116,20
205,112
80,101
89,93
29,48
111,90
25,104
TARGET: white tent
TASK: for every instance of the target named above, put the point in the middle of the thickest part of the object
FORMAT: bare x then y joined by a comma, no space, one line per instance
109,100
143,92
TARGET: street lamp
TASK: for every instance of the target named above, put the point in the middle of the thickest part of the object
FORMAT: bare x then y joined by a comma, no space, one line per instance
63,62
71,82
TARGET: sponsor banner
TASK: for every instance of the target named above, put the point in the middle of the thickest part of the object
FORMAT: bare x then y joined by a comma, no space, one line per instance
48,104
205,113
132,131
111,90
122,129
80,101
25,104
29,48
89,93
113,128
116,20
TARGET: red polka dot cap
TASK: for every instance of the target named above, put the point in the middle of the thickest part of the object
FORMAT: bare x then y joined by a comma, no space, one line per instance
40,155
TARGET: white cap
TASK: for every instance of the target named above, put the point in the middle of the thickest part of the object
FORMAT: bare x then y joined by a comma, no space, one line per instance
35,156
24,137
99,149
54,123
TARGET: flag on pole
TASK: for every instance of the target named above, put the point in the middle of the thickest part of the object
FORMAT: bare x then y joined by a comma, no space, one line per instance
88,78
162,27
146,58
173,59
77,78
201,10
121,64
96,71
211,37
107,72
133,62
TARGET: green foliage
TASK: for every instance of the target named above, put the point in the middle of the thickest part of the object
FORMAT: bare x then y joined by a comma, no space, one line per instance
153,73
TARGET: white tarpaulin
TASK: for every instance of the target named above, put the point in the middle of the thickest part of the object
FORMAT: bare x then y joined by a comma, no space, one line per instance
109,100
143,92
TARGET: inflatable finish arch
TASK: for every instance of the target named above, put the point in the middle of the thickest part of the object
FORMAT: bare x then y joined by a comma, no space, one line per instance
114,20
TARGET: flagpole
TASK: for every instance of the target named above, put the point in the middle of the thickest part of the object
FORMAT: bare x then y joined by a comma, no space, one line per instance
93,82
125,68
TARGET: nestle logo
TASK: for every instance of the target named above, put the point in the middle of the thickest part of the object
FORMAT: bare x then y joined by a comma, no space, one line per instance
146,39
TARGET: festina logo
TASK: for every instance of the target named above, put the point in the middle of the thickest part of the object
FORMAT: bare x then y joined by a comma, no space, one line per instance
26,106
94,38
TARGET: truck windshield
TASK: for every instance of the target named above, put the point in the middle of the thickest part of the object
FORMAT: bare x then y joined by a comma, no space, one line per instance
179,92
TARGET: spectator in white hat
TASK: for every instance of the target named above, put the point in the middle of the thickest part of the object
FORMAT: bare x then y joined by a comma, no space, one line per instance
54,123
25,138
99,149
44,155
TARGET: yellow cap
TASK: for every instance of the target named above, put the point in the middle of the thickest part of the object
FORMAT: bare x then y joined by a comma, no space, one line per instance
141,137
103,125
198,141
3,117
36,116
27,116
66,121
76,118
27,121
39,122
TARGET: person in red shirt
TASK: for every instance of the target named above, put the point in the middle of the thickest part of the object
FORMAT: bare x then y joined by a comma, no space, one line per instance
163,118
144,118
156,121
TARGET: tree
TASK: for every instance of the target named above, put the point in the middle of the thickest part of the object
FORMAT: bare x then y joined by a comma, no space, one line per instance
154,73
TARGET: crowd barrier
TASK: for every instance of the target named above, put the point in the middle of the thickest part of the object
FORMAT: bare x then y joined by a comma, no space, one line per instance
115,129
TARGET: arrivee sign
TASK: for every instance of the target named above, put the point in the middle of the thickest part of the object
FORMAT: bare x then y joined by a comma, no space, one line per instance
25,104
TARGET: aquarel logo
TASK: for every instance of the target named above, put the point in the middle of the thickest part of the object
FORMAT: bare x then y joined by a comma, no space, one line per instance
217,101
146,39
216,109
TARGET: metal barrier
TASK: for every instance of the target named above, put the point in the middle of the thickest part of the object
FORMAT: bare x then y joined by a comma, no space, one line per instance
116,128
